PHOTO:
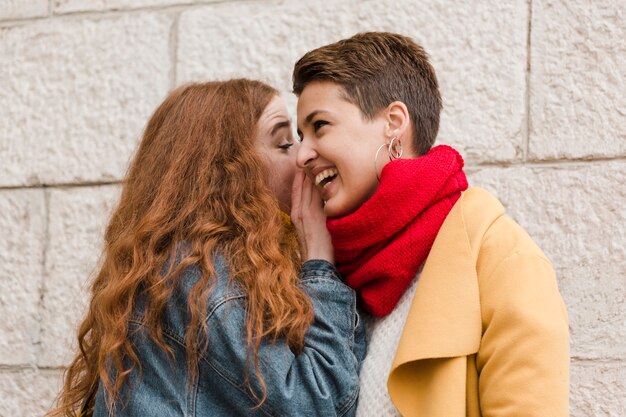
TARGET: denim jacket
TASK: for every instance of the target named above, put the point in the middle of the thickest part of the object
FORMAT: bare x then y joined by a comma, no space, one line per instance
321,381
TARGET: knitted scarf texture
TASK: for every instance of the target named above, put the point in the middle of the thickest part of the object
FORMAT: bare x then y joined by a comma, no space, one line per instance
380,247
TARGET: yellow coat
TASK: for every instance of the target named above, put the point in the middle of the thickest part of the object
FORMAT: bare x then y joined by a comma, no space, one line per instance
487,332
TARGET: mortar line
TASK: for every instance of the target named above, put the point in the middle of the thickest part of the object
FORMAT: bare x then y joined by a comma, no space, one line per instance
605,361
174,50
60,185
101,14
527,98
573,359
25,367
548,163
580,161
44,275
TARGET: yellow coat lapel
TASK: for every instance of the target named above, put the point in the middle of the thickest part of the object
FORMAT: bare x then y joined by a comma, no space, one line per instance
444,321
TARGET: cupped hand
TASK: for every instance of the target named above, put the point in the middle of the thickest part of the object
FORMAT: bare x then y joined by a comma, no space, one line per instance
307,215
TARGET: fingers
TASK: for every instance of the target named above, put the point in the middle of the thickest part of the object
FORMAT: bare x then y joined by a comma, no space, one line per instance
307,193
304,196
297,209
316,202
315,236
296,194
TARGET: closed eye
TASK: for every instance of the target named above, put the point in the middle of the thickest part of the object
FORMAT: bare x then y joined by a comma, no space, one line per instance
285,145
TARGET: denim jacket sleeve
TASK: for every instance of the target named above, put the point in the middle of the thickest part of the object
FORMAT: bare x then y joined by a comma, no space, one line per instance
322,380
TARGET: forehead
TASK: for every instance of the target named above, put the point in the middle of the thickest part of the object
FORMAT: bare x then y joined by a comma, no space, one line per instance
275,109
320,93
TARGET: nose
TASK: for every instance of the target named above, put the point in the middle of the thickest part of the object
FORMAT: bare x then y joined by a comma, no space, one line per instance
305,154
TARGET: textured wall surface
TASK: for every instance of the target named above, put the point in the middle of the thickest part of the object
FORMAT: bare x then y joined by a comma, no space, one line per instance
534,92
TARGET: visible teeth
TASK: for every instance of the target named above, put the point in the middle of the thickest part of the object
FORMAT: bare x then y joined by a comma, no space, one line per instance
325,174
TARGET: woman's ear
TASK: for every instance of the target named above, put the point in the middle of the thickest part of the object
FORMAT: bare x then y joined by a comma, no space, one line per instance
398,124
398,120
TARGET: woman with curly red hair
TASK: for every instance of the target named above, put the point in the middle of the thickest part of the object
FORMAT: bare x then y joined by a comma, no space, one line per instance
201,305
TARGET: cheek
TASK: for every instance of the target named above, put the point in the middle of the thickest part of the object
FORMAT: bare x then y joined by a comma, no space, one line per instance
360,186
286,173
281,179
359,179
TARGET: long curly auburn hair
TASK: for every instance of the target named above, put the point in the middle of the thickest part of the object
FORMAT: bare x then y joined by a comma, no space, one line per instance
195,178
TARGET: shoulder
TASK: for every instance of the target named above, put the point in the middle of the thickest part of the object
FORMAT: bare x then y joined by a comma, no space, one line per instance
493,236
222,290
512,271
220,282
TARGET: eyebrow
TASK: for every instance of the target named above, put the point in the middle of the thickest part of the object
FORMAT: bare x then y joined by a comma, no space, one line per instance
307,120
280,125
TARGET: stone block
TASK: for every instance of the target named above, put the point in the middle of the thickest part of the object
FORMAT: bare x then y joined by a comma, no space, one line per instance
577,79
481,60
78,220
257,40
597,389
478,49
71,6
23,9
22,245
28,392
576,215
76,94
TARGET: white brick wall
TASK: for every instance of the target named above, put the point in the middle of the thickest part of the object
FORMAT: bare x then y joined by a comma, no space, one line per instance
534,94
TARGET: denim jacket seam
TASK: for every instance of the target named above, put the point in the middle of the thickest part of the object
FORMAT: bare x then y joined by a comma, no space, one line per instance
331,274
172,335
352,398
321,268
222,372
192,396
223,300
354,324
168,331
322,280
316,278
332,278
349,401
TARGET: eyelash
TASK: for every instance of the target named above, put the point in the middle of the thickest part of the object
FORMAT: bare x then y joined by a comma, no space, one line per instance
318,124
285,146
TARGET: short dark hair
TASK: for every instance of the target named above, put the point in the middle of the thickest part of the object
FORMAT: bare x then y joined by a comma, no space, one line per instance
375,69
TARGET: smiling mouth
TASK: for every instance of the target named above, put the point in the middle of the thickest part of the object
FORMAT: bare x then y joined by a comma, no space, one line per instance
325,177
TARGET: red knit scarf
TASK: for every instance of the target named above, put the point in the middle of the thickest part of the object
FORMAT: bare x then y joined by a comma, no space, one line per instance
380,247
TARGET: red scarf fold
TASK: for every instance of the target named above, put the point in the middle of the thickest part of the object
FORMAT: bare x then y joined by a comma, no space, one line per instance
380,247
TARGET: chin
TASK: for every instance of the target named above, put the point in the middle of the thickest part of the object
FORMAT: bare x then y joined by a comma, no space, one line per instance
329,212
335,210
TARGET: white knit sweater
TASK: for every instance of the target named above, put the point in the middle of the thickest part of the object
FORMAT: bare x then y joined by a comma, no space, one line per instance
383,336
